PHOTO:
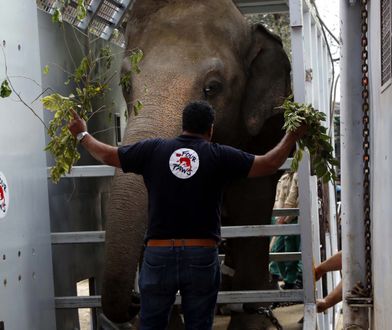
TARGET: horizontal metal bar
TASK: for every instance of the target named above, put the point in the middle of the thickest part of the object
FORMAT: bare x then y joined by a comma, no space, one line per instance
260,230
77,302
78,237
224,297
104,170
285,212
285,256
89,171
287,164
256,9
83,237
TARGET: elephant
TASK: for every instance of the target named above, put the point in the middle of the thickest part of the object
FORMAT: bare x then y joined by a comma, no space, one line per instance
198,50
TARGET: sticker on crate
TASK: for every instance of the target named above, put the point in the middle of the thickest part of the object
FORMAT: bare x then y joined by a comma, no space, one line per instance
4,196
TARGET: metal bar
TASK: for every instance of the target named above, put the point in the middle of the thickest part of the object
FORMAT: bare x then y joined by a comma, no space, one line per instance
309,317
260,230
224,297
287,164
307,191
353,242
285,256
89,171
104,170
83,237
254,8
285,212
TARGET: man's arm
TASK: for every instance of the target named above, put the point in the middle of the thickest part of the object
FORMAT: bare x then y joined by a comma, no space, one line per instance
331,264
102,152
331,300
270,162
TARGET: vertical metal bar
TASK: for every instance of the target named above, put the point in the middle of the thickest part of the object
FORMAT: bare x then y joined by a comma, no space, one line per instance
308,57
316,72
305,194
353,244
297,46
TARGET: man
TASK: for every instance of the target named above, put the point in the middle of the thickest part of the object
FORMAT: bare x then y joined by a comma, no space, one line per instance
186,174
287,197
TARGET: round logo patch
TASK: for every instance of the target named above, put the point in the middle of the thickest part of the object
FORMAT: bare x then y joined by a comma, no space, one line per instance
4,196
184,163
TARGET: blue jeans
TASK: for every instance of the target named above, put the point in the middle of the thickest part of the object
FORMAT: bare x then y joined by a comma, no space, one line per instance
194,271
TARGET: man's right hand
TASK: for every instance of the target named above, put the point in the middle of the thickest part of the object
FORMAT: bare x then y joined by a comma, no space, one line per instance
77,124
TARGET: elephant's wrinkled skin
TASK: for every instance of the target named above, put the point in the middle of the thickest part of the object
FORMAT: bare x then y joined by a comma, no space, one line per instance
198,49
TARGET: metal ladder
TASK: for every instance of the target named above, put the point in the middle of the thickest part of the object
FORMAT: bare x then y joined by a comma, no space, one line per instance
304,228
310,82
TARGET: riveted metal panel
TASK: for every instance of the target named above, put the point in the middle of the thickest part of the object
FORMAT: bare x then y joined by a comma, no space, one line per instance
26,280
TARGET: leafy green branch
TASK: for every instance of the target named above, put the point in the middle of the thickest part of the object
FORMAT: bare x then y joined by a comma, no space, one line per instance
316,139
87,84
63,146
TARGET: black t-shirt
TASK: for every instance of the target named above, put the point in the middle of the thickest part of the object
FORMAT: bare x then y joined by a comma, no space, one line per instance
185,178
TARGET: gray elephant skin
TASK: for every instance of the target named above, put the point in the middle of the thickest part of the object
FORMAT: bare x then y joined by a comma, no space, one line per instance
198,49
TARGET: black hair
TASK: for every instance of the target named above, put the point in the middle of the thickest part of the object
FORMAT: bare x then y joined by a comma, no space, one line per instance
198,117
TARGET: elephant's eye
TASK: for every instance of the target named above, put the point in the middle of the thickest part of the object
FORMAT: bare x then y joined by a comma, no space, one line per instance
212,88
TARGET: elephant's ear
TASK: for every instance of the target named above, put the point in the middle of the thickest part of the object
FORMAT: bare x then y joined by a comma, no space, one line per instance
268,79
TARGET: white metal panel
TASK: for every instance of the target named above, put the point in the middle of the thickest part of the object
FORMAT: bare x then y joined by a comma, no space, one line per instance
353,244
26,281
381,160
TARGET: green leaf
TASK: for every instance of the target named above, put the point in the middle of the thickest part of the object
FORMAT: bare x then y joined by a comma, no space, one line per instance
5,89
137,107
57,16
81,11
46,69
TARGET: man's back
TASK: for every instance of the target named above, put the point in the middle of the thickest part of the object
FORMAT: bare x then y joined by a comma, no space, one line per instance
185,178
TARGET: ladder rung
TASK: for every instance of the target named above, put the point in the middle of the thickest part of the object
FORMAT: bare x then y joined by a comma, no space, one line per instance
89,171
260,230
285,212
285,256
82,237
224,297
78,237
104,170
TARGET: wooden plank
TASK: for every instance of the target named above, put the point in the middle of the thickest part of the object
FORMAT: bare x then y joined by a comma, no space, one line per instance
225,297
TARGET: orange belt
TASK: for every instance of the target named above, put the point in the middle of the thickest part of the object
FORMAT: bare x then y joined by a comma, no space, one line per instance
182,242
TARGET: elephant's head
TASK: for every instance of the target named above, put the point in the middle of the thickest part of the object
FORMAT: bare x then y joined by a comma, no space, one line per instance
193,49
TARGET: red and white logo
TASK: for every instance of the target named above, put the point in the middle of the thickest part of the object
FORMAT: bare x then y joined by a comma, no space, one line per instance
4,196
184,163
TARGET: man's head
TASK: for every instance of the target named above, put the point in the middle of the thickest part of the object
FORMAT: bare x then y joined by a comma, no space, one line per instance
198,118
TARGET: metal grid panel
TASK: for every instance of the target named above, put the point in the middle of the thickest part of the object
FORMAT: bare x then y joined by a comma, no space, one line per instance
385,41
102,18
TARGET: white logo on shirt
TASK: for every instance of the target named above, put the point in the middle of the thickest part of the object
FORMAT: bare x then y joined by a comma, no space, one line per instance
184,163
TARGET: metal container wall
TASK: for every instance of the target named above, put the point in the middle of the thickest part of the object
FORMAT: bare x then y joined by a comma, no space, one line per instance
26,279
